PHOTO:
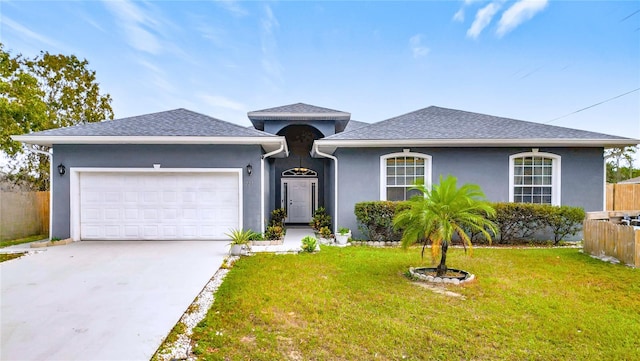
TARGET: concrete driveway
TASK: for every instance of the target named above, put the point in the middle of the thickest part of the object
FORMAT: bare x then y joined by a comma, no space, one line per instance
100,300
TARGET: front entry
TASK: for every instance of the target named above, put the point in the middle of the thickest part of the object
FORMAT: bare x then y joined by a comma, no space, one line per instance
299,198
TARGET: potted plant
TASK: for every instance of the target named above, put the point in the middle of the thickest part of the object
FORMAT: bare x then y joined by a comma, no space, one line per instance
325,235
239,240
343,235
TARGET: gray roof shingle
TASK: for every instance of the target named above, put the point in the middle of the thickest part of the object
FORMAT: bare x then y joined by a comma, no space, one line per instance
354,124
177,122
298,112
444,124
298,108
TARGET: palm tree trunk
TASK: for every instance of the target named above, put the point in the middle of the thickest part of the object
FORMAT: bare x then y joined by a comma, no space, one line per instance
442,267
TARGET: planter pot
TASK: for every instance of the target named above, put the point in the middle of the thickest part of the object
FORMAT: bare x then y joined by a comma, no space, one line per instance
322,240
343,239
236,249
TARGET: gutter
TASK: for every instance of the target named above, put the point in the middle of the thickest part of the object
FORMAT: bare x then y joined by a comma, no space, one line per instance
262,181
538,142
317,151
49,154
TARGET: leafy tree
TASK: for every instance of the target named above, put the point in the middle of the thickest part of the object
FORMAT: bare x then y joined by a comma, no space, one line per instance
436,215
48,91
616,157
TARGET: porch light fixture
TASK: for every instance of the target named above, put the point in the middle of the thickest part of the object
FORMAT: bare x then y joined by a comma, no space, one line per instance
61,169
249,169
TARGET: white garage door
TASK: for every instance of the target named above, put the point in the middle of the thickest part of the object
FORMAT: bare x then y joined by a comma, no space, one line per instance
158,206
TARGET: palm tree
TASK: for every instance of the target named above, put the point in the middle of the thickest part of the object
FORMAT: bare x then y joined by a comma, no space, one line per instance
436,214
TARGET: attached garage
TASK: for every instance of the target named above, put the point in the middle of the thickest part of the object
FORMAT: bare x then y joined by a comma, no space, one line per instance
155,204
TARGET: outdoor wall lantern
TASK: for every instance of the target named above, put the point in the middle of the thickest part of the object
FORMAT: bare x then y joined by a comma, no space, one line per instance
62,169
249,169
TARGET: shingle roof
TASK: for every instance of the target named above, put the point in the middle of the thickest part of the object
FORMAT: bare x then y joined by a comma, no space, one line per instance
178,122
444,124
298,108
354,124
298,112
635,180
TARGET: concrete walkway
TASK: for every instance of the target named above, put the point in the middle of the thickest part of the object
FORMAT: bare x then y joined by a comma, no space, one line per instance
100,300
291,242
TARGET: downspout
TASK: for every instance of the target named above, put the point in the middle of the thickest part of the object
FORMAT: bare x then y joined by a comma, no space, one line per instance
31,148
262,158
604,185
606,157
335,180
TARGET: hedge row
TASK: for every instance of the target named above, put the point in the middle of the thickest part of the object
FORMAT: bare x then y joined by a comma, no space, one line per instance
375,219
517,222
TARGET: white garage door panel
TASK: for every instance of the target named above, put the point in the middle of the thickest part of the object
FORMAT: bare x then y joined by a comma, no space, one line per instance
163,206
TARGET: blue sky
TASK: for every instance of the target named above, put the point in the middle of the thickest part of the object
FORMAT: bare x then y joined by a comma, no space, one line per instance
529,60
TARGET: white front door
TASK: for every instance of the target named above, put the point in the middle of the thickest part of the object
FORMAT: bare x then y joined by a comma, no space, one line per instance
299,198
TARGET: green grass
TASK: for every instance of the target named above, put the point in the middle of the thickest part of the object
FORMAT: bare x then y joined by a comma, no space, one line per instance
356,304
10,256
12,242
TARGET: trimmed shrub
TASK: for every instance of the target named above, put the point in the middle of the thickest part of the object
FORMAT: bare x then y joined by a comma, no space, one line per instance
520,221
563,221
277,217
274,233
375,219
320,219
517,222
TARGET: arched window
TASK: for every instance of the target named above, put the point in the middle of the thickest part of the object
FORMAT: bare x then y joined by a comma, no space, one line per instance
534,178
399,172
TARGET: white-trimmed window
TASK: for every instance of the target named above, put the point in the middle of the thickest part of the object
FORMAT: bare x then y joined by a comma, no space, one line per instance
534,178
399,172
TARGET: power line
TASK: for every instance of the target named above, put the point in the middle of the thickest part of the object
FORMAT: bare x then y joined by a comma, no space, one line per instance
591,106
630,15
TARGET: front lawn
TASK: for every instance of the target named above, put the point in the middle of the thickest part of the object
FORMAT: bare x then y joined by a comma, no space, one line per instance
356,304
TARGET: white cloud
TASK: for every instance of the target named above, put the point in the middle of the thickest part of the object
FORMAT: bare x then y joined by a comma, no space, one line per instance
222,102
157,76
139,28
233,7
269,46
459,15
26,33
418,50
483,18
518,13
212,34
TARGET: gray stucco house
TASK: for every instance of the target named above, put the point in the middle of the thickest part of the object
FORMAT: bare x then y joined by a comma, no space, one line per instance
184,175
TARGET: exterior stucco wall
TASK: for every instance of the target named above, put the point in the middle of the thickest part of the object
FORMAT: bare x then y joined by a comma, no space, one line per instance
359,174
169,156
329,190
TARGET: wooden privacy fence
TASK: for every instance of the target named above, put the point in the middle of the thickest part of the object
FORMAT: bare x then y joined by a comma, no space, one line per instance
623,197
23,214
603,238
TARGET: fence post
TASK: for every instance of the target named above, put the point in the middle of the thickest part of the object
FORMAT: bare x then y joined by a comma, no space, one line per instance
636,249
